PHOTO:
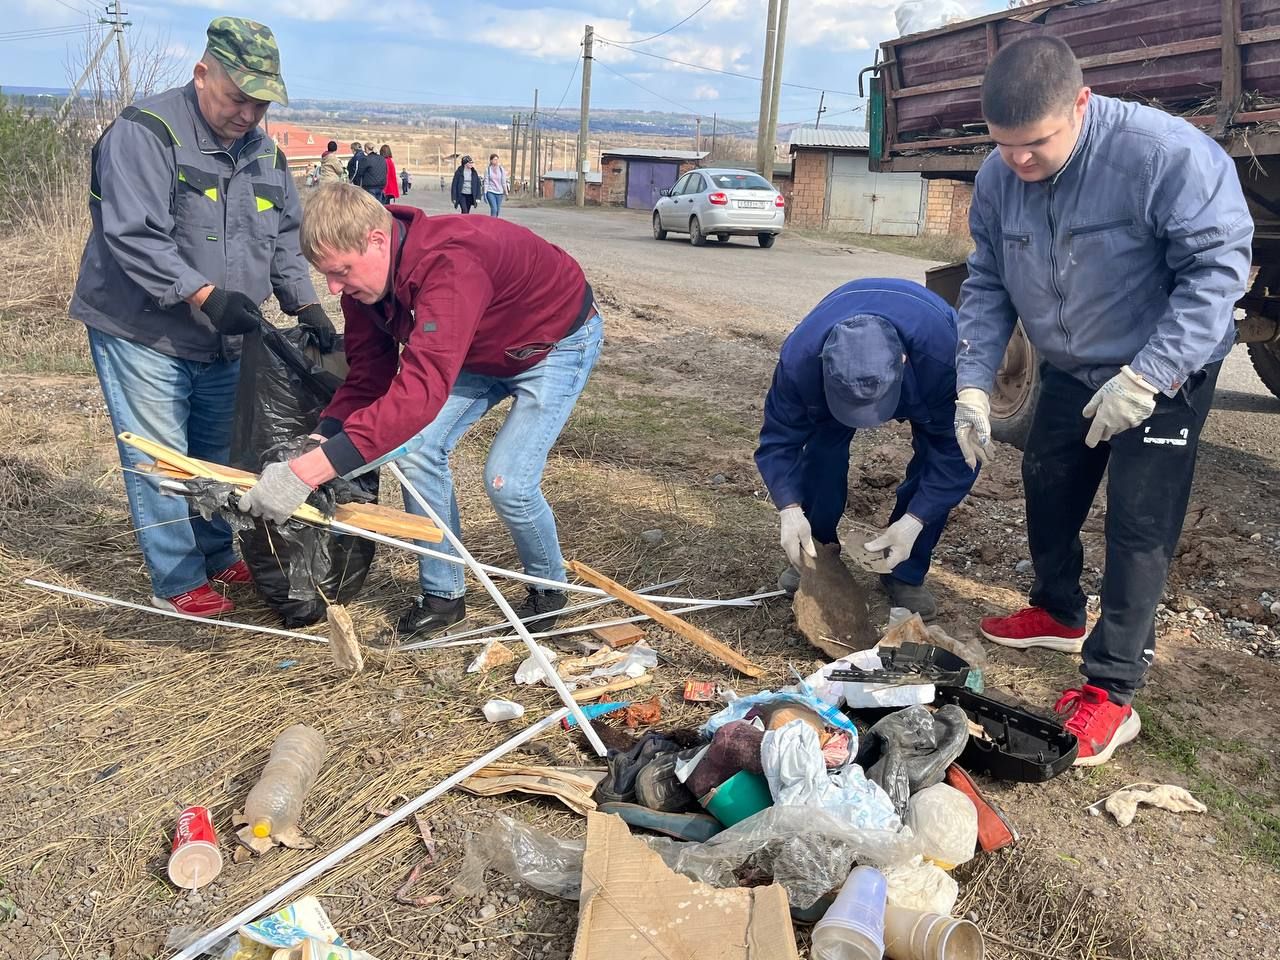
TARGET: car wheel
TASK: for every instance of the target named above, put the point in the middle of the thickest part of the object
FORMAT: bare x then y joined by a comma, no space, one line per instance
722,237
696,236
658,232
766,239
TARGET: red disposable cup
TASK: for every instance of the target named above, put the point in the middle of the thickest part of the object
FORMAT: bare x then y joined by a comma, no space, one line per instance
195,858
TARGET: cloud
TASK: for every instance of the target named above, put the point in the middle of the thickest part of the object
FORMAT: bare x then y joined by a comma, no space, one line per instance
705,91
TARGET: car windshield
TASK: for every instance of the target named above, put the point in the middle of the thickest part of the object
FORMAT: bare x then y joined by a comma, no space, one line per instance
741,181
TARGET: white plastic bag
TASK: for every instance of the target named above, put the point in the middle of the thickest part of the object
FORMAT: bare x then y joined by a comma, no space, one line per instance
945,823
529,672
922,886
917,16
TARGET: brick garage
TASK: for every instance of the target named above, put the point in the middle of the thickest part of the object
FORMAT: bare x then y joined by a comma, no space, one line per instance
563,185
632,177
808,189
947,210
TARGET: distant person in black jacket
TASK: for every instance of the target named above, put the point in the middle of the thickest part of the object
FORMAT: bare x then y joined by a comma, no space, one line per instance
353,165
374,172
467,187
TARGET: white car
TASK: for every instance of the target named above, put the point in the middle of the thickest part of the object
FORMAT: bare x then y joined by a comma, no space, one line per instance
720,203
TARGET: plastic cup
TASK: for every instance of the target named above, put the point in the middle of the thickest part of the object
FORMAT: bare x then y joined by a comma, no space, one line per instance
913,935
837,940
195,858
743,794
853,929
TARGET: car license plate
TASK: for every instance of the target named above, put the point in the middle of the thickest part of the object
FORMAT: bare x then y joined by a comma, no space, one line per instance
754,204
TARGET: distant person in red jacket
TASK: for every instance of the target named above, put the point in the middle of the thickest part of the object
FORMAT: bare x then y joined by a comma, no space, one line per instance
446,317
392,189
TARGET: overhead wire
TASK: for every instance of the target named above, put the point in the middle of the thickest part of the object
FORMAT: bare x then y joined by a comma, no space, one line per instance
730,73
685,107
664,32
570,83
47,32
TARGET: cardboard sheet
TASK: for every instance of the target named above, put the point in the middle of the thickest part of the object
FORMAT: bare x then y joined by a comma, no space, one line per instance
633,906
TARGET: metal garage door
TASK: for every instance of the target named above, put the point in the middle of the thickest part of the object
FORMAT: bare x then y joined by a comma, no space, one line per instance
859,201
646,179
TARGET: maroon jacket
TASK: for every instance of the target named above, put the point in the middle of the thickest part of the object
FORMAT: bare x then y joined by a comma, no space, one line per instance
480,294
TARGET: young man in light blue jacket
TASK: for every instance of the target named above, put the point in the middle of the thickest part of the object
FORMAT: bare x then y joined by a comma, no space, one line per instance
1121,237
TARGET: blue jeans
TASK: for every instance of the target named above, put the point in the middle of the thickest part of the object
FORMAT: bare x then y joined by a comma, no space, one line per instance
542,399
495,203
186,405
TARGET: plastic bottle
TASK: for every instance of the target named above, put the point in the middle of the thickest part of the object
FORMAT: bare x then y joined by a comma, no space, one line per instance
275,802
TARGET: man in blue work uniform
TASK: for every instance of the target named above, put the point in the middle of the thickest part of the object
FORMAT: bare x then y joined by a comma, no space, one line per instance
872,351
1121,237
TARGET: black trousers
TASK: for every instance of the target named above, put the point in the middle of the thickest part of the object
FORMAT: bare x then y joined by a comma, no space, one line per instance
465,202
1149,473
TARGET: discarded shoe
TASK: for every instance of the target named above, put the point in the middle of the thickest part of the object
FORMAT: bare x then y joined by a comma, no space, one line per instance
430,614
540,602
1032,627
203,601
1100,724
238,572
789,581
915,597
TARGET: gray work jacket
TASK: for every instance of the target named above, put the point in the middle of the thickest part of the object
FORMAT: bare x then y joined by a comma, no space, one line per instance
1135,252
174,210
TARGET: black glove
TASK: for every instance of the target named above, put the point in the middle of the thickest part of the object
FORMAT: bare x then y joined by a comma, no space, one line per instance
314,318
232,312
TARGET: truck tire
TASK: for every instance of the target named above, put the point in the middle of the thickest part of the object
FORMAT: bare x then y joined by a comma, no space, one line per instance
1266,361
1016,390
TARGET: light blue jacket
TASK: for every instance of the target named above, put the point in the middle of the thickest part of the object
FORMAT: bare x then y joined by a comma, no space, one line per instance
1135,252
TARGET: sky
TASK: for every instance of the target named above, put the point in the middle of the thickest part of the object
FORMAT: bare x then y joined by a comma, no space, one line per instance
498,51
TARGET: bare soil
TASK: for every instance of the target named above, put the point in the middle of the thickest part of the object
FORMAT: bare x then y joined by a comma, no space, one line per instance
113,721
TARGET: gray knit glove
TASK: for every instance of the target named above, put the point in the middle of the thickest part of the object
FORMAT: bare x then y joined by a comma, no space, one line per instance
277,494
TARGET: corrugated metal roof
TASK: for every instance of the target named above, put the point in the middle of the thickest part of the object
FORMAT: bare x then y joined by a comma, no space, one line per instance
645,153
593,177
835,138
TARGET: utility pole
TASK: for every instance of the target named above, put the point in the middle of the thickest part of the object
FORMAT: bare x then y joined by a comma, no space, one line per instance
821,110
580,192
524,153
511,153
122,53
697,134
713,134
455,139
535,156
766,87
779,48
117,25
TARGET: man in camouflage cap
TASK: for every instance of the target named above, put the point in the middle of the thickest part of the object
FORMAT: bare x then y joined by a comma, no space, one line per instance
195,223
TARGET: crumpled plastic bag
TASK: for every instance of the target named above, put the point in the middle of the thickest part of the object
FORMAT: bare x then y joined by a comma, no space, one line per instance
1123,804
739,708
916,747
917,16
529,673
792,760
945,823
808,851
917,885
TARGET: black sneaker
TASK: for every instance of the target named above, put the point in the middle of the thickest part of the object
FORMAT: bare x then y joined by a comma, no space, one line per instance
430,614
539,602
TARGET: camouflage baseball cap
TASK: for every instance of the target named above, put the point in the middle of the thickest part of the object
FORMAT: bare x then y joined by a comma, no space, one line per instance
248,51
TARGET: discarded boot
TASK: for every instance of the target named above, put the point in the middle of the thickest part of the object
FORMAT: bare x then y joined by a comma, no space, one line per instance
430,614
915,597
541,602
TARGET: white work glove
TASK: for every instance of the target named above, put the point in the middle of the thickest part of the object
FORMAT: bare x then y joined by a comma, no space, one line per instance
278,492
1121,404
796,534
973,426
898,539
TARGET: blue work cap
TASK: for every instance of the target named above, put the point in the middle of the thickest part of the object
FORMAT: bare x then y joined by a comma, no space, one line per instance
862,371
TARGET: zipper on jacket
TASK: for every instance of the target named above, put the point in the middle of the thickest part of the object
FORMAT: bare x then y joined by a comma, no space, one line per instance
1053,265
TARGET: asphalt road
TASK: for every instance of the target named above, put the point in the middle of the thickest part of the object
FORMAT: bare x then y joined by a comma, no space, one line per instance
769,291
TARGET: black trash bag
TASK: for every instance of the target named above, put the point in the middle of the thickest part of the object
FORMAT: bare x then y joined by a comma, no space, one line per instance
287,377
911,749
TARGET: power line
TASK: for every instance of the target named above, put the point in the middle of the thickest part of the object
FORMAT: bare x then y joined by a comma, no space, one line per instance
570,83
684,107
729,73
48,34
664,32
83,13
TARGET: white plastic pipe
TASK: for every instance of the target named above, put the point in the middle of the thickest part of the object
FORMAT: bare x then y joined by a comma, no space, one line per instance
274,898
566,631
203,621
535,651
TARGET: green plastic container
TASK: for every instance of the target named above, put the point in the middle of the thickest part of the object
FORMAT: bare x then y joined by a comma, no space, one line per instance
738,797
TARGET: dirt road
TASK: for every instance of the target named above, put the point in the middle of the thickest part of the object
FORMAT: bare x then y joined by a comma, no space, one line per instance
114,721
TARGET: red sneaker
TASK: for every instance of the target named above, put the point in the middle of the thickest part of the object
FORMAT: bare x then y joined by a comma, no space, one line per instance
238,572
203,601
1032,627
1099,724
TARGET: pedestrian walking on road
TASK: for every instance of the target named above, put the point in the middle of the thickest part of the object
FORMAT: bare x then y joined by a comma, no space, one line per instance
1120,236
495,185
373,173
406,182
872,351
392,190
355,173
467,187
439,331
194,223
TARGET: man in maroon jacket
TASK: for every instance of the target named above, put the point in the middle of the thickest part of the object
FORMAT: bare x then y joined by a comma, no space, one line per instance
446,317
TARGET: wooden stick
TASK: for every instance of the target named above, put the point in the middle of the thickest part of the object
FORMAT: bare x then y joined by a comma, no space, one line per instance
699,638
626,683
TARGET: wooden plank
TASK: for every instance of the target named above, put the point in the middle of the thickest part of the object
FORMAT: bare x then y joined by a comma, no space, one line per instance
945,142
373,517
618,636
626,683
1263,35
1229,99
1028,13
993,42
699,638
